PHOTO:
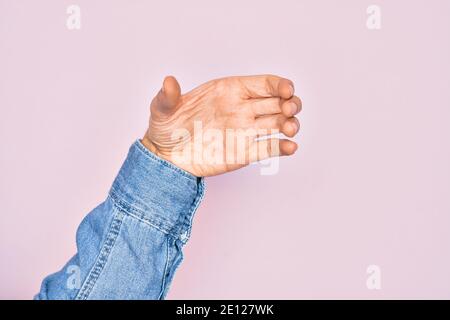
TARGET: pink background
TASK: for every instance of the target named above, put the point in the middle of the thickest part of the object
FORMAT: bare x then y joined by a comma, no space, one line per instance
369,185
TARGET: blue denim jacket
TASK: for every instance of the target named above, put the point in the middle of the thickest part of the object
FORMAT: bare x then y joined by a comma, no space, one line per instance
130,246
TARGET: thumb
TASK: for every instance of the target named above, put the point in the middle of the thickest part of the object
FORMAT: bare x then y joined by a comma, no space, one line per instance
167,98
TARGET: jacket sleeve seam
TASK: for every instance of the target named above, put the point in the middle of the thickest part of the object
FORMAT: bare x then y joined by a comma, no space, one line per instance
166,268
158,223
102,258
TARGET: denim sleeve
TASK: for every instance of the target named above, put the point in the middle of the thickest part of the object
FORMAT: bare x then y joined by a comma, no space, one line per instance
130,246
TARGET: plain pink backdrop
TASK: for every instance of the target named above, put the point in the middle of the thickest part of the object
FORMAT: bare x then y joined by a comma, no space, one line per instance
369,185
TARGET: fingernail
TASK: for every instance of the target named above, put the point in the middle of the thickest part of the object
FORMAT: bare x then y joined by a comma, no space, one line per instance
291,89
293,108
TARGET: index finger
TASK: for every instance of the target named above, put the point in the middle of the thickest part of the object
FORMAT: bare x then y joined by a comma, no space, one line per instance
267,86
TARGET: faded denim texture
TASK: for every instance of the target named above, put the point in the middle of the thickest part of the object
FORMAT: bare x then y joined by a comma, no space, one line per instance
130,246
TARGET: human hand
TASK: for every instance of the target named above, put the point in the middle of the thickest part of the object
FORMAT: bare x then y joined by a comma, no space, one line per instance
220,126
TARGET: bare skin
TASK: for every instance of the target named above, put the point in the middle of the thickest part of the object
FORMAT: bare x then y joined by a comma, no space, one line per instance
241,102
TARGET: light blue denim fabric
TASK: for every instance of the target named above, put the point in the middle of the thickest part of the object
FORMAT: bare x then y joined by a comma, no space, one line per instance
130,246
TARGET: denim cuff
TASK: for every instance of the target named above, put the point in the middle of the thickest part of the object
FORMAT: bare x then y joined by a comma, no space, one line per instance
157,192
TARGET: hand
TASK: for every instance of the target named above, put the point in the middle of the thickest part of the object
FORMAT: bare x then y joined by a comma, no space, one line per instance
202,131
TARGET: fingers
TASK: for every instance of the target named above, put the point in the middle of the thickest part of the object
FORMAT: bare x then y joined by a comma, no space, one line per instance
270,122
264,149
274,105
292,106
265,106
290,127
287,126
266,86
167,98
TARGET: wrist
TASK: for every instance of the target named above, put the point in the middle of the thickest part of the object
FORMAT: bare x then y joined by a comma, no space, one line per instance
147,143
150,146
157,191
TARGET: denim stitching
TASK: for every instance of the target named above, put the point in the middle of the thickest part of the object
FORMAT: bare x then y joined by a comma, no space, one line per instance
147,222
166,268
160,223
102,258
175,265
194,207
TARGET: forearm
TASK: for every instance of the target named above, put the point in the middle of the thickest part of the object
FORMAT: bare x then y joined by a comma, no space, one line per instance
130,246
